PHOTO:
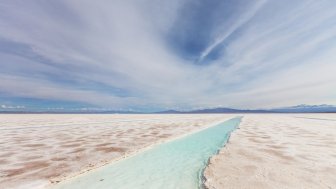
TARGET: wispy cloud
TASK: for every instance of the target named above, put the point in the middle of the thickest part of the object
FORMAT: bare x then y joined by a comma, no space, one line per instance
241,20
136,54
3,106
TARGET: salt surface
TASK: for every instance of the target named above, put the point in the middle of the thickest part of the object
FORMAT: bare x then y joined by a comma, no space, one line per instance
47,148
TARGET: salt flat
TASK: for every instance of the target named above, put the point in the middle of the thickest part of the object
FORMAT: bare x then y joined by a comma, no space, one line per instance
277,151
39,149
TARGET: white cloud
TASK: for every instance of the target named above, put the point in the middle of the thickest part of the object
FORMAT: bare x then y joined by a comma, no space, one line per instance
281,56
243,19
3,106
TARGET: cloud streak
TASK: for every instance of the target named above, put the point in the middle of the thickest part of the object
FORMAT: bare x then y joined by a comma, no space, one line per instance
136,54
243,19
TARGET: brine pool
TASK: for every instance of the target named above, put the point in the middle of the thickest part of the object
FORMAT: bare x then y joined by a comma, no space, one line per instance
177,164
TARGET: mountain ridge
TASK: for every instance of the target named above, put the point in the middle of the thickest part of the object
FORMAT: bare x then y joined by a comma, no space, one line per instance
302,108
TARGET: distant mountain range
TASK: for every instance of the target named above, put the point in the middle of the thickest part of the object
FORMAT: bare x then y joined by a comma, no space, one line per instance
303,108
213,110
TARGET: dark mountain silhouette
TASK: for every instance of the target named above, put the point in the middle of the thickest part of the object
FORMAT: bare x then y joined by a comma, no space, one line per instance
292,109
303,108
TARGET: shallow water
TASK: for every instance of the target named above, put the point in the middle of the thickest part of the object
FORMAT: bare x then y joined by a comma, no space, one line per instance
175,164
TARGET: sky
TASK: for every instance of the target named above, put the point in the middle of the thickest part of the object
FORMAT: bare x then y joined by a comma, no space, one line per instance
149,55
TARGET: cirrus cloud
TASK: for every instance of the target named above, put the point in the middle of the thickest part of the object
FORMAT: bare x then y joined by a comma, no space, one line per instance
176,54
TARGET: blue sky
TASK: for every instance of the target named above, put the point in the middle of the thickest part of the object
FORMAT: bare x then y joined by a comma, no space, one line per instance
178,54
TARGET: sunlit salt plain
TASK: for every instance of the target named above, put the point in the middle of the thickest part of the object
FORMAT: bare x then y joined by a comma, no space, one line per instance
277,151
42,149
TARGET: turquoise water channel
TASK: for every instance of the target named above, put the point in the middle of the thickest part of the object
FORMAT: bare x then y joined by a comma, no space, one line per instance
171,165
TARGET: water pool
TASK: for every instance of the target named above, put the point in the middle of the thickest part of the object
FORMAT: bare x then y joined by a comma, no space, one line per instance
171,165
